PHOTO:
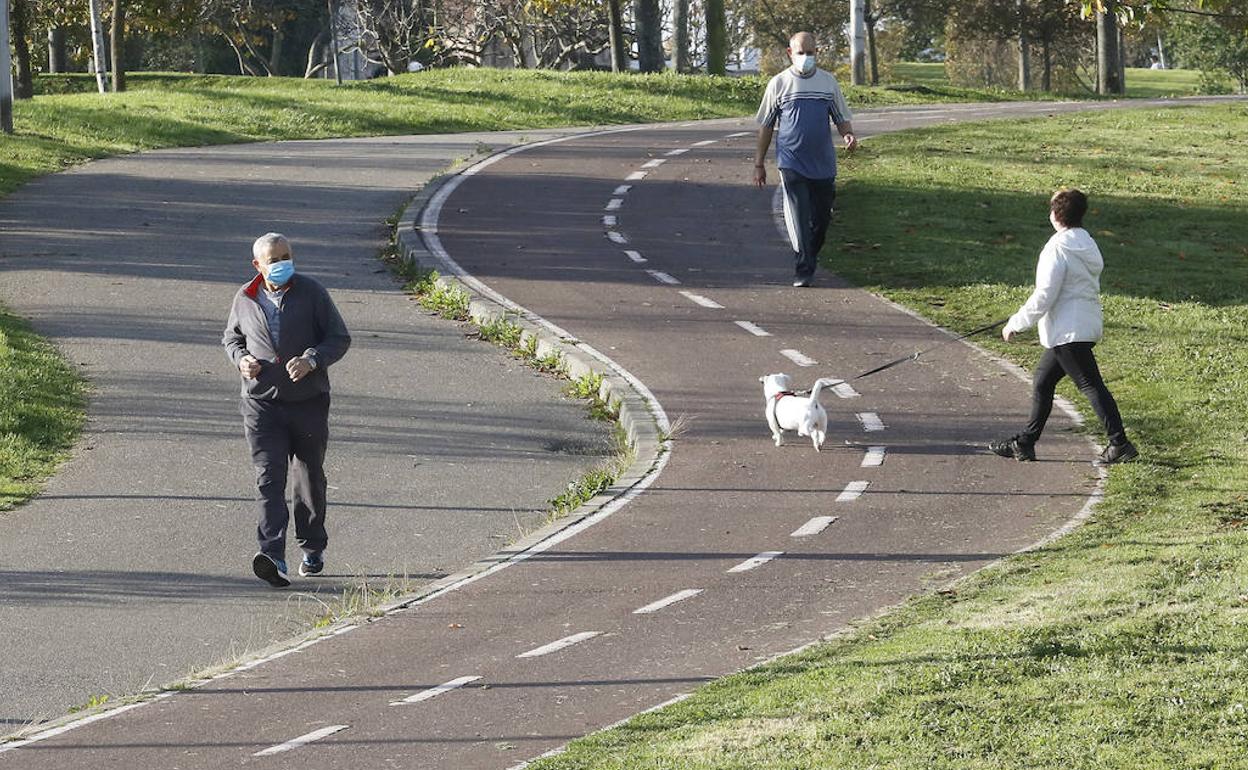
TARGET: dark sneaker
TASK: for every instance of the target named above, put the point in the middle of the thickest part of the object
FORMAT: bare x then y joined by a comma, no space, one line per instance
312,564
801,282
1023,451
1118,453
270,570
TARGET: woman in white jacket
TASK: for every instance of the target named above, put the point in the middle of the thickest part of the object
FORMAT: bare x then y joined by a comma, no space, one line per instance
1067,306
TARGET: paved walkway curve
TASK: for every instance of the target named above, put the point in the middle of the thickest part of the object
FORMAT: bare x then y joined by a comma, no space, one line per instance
132,569
738,552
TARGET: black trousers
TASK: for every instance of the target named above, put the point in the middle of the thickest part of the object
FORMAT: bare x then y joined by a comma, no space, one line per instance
287,441
807,214
1074,360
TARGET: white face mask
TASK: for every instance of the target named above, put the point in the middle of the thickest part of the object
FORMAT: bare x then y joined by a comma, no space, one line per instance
804,62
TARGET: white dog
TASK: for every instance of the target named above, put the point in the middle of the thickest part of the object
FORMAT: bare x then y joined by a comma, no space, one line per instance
786,410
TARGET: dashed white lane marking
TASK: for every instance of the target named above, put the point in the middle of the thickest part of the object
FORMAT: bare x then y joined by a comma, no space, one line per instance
616,236
667,601
566,641
739,133
870,421
756,561
813,527
433,692
705,142
663,277
614,204
302,740
798,358
610,220
673,153
636,257
757,331
844,390
853,491
874,457
653,163
622,189
703,301
636,176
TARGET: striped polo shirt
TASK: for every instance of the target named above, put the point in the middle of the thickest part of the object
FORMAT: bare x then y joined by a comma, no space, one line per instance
799,108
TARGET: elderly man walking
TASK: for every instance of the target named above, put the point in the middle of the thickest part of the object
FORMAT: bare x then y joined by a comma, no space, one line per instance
799,103
283,334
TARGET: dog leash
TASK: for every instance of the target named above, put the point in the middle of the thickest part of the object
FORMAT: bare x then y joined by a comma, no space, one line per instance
915,356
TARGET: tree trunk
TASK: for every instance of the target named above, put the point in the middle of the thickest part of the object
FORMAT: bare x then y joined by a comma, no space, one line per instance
1046,81
868,21
615,21
1024,49
6,82
118,34
649,18
1107,75
857,32
1161,52
314,64
681,22
716,38
97,46
333,40
275,51
23,77
1122,60
56,50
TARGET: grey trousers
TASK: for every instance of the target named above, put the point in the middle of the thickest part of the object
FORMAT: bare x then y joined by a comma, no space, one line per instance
287,441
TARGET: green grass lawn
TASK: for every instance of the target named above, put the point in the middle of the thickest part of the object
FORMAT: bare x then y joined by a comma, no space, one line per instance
1141,83
1123,645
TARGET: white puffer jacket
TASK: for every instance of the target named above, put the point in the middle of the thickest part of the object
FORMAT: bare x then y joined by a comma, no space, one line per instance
1067,299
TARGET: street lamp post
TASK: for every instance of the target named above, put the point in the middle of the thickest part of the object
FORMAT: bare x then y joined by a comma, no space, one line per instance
6,72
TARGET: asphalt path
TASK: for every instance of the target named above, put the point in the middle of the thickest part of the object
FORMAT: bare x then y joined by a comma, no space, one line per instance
133,568
739,550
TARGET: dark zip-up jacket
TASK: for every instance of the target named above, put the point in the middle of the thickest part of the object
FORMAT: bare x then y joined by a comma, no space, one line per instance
311,325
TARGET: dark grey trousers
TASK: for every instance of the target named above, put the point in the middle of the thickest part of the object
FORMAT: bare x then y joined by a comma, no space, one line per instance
287,441
807,214
1076,361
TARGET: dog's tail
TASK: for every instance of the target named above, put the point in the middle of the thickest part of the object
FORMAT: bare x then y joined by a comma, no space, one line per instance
820,384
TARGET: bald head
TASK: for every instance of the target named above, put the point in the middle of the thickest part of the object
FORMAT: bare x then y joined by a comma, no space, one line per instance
802,42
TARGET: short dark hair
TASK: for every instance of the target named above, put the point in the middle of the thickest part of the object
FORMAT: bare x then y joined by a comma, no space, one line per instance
1068,207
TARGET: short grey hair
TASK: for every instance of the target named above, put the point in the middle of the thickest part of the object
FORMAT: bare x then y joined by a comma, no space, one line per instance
266,243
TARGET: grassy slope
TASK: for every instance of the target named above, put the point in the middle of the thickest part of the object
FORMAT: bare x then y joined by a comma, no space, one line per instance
1141,83
1122,645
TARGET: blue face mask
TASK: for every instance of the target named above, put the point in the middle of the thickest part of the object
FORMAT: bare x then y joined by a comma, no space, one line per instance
280,272
804,62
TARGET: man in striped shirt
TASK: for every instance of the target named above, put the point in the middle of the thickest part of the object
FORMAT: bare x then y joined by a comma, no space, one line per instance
799,103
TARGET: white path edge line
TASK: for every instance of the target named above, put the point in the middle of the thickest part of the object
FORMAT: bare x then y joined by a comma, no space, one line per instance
636,176
654,163
853,491
871,421
813,527
636,257
756,561
434,692
667,601
874,457
700,300
622,189
754,329
302,740
663,277
559,644
797,357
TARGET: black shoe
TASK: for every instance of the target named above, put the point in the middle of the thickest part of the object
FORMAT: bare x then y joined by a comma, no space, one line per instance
1016,447
801,282
312,564
1118,453
270,570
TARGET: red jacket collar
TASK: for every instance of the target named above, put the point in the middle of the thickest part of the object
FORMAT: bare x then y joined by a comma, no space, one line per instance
253,289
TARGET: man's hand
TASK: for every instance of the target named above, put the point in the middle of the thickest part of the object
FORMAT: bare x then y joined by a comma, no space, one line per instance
760,176
851,141
1006,334
249,366
298,368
